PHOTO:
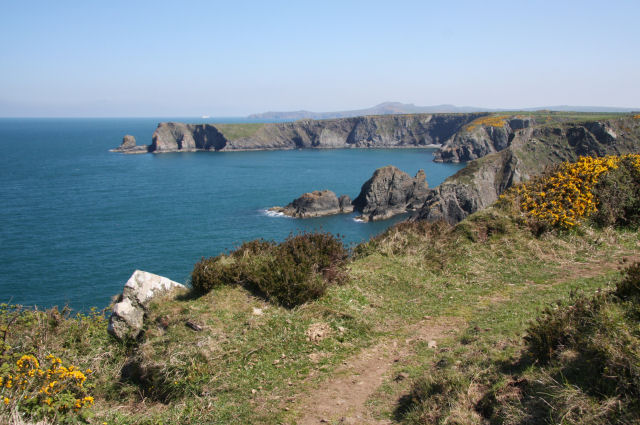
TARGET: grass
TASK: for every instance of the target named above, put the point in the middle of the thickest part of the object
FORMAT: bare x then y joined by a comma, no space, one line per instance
238,131
482,281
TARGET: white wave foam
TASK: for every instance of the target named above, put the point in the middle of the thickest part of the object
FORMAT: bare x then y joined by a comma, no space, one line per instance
270,213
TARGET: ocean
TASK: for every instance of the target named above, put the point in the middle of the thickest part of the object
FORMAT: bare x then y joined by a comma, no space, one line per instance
76,220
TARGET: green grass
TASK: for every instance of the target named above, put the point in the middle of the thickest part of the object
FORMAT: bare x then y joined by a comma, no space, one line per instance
238,131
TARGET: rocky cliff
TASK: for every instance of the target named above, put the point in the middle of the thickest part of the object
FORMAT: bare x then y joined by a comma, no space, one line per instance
389,192
481,137
416,130
529,151
316,204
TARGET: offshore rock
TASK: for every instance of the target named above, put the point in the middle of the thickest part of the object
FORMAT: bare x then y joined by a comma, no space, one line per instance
127,317
128,141
128,145
345,204
391,191
312,204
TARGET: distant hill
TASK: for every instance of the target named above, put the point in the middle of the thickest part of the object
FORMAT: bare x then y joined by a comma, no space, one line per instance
388,108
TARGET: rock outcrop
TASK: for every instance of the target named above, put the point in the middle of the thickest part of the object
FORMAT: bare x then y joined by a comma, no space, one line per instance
316,204
530,151
415,130
127,317
390,191
179,137
346,206
474,141
128,145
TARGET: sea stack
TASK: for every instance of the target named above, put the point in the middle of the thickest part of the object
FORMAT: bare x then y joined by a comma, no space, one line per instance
391,191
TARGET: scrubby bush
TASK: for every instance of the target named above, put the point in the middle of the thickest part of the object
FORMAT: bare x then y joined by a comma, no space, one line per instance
586,362
629,287
290,273
618,195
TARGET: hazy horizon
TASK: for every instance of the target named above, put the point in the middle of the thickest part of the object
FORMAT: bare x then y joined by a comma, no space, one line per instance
195,58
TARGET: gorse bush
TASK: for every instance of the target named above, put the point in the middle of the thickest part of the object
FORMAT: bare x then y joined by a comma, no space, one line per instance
604,188
53,392
52,364
290,273
488,121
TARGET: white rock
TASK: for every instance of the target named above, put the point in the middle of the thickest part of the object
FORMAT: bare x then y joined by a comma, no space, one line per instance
127,317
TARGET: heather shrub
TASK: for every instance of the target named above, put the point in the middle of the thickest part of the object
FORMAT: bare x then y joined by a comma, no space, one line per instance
618,195
582,363
290,273
629,287
560,326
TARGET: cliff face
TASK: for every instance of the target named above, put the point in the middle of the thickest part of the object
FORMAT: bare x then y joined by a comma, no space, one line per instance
529,151
390,191
477,140
178,137
417,130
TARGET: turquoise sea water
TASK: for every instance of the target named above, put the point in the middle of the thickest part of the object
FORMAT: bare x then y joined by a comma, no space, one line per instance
76,220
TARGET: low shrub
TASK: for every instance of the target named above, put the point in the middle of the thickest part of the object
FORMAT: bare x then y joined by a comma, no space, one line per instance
618,195
629,287
431,399
290,273
54,392
585,362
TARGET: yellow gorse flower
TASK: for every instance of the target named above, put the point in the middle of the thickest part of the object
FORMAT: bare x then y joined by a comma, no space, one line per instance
489,121
566,196
47,386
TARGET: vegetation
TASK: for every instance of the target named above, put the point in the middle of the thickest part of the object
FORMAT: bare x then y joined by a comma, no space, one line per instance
441,305
488,121
291,273
239,131
606,188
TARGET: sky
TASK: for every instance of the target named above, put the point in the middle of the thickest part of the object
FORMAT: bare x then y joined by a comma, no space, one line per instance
159,58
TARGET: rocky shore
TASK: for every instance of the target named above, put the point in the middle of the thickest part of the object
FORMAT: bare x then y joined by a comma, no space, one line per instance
390,191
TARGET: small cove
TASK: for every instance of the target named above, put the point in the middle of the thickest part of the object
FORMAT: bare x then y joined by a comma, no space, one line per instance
76,220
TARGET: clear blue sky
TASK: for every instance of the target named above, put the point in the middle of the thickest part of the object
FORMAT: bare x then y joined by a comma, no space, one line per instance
191,58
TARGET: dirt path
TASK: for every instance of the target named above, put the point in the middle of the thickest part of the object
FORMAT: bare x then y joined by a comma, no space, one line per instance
342,399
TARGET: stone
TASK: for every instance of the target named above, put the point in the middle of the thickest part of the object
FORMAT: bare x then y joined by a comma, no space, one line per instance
128,145
312,204
128,141
345,204
127,317
391,191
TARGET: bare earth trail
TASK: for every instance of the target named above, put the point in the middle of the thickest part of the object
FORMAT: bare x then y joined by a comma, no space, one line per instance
342,399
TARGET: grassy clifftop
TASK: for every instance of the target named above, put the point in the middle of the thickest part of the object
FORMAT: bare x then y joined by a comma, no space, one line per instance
432,323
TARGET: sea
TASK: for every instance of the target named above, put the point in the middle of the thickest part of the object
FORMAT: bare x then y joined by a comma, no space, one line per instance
76,220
